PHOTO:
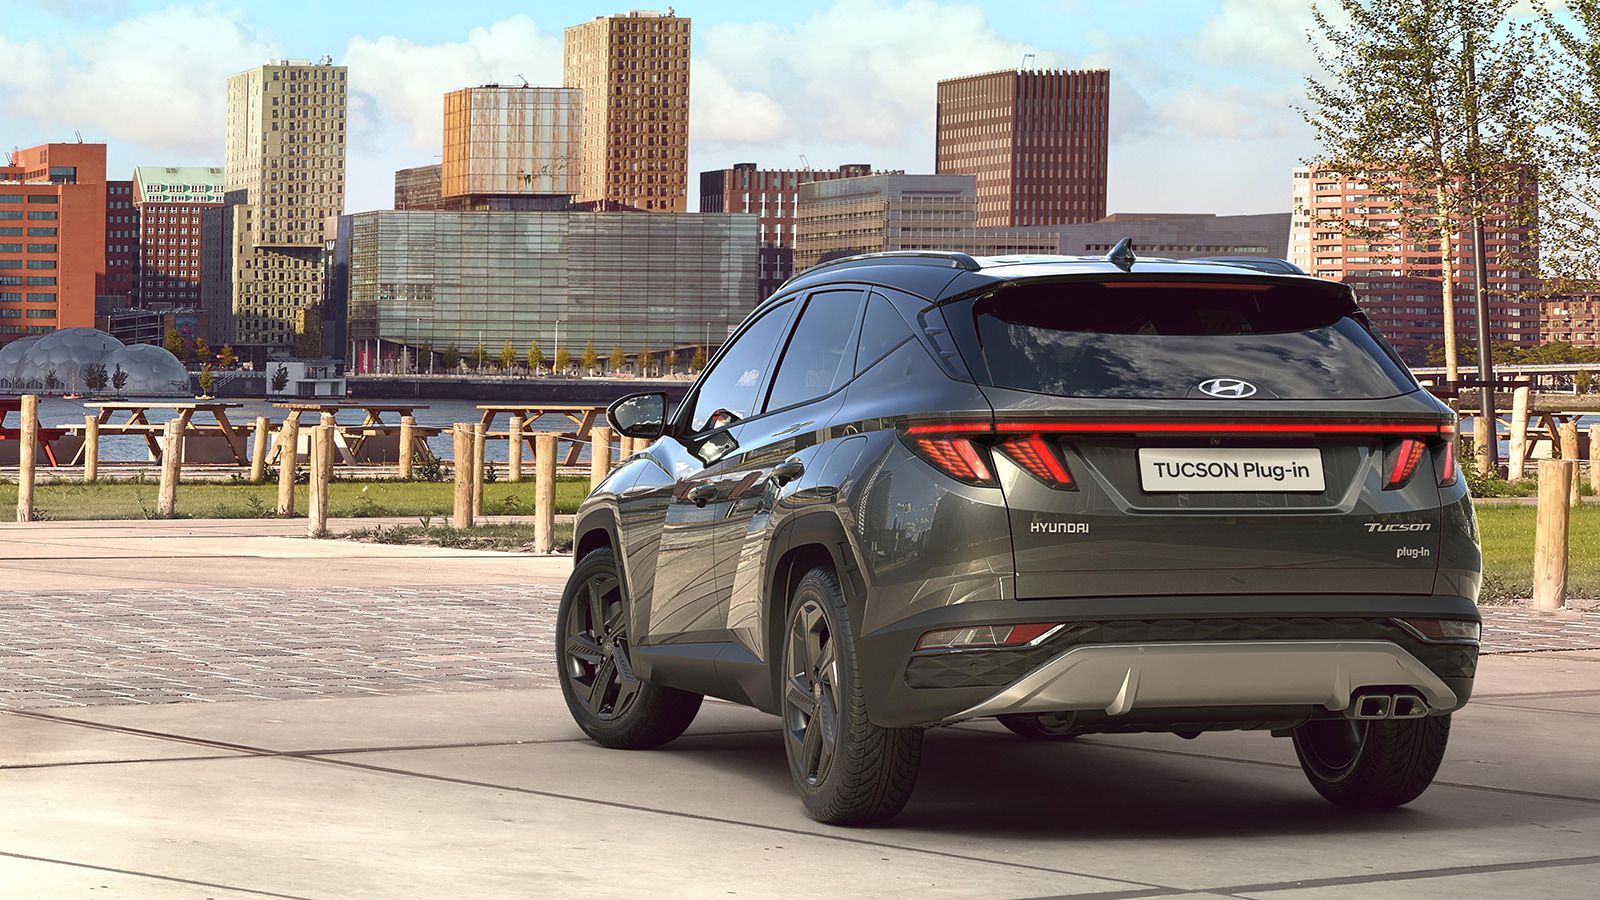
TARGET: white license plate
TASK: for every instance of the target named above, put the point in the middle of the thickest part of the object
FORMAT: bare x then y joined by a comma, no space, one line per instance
1195,470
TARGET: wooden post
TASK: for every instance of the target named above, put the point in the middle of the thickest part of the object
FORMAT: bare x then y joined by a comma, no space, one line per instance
317,493
408,440
1550,533
479,445
1483,431
258,450
1517,451
461,516
599,454
288,456
624,447
544,492
1594,460
27,457
91,449
1569,452
514,451
171,469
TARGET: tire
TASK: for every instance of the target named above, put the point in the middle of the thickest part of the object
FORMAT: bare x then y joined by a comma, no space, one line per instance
1371,764
1041,727
848,771
612,705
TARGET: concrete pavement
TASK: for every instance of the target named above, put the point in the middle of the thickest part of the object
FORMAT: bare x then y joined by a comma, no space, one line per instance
371,787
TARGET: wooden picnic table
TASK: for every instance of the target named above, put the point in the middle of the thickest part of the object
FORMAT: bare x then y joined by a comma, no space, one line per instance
138,422
372,424
581,415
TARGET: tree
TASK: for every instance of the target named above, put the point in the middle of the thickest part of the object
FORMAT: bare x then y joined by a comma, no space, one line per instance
228,359
452,357
202,350
1570,194
94,377
175,344
535,357
480,353
119,378
646,358
1400,83
590,358
619,359
508,357
280,378
207,380
1583,382
563,360
51,382
699,360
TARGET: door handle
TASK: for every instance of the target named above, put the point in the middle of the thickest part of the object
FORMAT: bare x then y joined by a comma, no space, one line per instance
702,494
788,470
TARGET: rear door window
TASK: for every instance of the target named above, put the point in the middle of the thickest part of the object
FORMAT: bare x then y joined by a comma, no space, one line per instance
814,362
1161,339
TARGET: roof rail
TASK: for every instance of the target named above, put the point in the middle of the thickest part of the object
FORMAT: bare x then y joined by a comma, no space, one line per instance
947,258
1269,264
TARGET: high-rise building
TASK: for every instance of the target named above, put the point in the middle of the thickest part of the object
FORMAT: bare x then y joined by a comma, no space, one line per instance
1399,281
1035,139
774,196
417,187
52,238
170,202
874,213
633,69
284,175
414,282
501,140
1571,320
120,287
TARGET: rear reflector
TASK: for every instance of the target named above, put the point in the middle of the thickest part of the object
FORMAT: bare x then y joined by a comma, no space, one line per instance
1403,463
1446,629
978,636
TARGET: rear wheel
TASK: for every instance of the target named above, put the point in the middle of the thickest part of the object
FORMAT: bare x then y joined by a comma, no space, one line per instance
1373,763
607,700
848,770
1043,727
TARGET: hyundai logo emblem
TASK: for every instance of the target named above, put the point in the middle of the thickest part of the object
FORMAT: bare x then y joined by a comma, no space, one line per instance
1231,388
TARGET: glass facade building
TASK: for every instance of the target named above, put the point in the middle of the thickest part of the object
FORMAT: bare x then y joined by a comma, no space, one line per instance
429,280
511,140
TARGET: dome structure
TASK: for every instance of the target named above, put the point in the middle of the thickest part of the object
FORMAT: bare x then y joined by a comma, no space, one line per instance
152,371
66,353
11,356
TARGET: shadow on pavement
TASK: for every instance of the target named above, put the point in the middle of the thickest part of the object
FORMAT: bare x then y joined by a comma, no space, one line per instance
997,785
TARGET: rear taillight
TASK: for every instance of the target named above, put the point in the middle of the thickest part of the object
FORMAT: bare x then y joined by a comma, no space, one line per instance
1041,460
973,637
1402,462
957,457
1448,473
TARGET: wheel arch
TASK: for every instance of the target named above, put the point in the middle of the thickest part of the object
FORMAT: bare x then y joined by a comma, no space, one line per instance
800,544
595,529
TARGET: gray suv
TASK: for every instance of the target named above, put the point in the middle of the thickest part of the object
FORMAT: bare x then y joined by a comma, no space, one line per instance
1078,495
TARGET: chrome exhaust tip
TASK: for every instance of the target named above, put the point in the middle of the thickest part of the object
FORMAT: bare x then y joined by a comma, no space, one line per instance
1371,706
1408,706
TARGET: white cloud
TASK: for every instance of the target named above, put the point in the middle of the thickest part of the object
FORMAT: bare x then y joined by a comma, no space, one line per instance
862,71
1232,112
157,79
1269,33
722,113
396,83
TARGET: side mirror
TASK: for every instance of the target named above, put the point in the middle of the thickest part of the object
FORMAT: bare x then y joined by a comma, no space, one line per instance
639,415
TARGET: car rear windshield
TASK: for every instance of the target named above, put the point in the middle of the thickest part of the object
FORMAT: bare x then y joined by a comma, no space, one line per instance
1162,339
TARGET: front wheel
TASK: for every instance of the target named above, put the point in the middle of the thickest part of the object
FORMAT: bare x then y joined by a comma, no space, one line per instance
1371,763
848,771
608,701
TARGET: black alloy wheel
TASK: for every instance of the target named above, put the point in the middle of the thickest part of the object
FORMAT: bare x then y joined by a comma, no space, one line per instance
811,692
597,648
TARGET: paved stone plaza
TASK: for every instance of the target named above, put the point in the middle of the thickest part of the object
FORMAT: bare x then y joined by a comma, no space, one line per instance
410,745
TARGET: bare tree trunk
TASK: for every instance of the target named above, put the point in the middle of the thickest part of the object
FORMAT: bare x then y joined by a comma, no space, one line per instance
1447,270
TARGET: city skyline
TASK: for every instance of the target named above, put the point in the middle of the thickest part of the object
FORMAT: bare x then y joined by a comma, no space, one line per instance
1219,76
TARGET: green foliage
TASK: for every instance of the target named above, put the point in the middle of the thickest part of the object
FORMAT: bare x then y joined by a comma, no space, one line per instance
94,377
619,359
646,360
1583,382
227,358
175,344
480,354
280,378
508,356
207,380
202,350
51,382
119,378
452,358
699,360
535,356
590,358
563,361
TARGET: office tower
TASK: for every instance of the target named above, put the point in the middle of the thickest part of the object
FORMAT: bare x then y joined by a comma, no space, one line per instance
52,238
501,140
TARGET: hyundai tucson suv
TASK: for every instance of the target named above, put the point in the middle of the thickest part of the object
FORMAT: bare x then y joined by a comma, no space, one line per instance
1077,495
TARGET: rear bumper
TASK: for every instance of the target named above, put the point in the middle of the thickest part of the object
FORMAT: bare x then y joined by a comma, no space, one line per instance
1153,658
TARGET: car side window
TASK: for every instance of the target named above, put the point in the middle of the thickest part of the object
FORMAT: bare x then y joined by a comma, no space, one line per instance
728,392
811,362
882,331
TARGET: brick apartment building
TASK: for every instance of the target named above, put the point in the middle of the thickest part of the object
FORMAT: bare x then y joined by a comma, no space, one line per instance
171,202
52,238
773,195
1571,320
1399,284
1035,139
120,288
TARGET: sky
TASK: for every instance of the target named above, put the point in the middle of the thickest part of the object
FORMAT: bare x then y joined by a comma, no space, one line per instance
1203,115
